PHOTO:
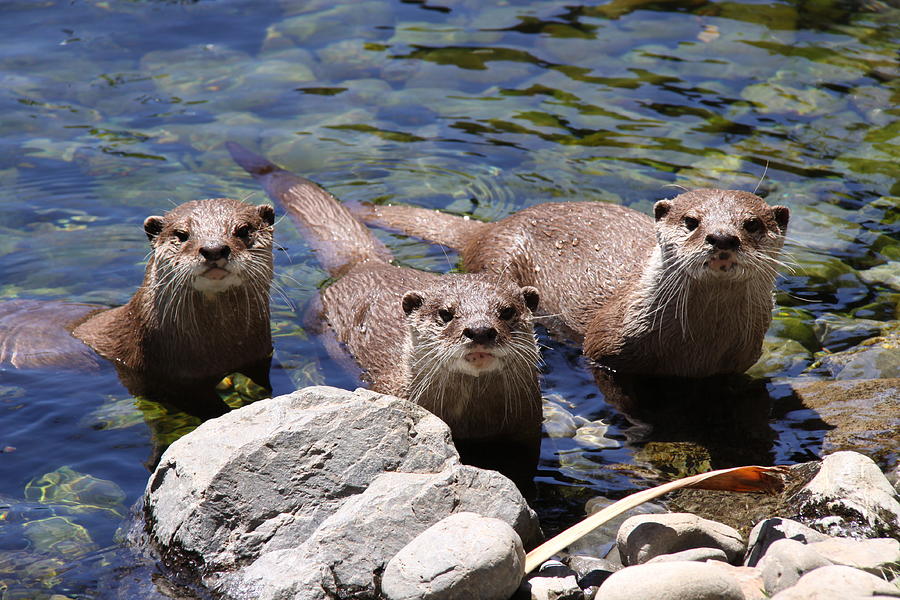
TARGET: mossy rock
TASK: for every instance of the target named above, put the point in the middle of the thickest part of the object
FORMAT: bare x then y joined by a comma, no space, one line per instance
675,459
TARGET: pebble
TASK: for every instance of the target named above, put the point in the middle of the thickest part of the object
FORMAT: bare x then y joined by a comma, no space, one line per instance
553,581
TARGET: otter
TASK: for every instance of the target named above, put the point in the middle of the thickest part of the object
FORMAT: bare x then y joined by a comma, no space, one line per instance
201,312
460,345
686,293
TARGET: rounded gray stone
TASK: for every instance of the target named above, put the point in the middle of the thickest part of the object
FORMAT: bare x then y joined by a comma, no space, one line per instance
643,537
766,532
464,555
672,581
694,555
874,556
551,588
785,562
838,582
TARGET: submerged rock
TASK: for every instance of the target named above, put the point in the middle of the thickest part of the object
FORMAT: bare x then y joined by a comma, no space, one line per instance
875,358
862,414
309,495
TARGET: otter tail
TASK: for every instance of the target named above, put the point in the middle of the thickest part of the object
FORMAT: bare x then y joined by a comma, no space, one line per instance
338,238
436,227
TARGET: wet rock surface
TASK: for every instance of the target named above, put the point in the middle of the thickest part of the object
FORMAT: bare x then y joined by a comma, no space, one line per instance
309,495
849,496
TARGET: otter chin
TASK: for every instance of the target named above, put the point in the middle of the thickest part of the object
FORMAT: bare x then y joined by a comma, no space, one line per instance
476,362
216,279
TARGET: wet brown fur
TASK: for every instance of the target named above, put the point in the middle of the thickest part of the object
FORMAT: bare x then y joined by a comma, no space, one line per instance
389,318
170,341
612,277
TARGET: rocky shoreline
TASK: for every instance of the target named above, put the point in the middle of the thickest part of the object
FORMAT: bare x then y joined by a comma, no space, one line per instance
325,493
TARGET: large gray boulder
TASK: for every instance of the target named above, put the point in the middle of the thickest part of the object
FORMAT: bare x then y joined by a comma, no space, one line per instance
464,555
309,495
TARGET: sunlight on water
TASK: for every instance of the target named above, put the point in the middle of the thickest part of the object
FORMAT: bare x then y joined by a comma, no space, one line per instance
116,110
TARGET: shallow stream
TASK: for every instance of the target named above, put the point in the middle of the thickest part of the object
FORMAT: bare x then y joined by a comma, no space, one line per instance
113,110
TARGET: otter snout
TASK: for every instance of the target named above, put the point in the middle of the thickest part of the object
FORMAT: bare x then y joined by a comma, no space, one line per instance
485,335
215,252
723,241
722,257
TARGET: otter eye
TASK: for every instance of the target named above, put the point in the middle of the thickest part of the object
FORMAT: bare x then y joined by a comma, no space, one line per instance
691,223
243,231
507,313
753,226
181,235
445,315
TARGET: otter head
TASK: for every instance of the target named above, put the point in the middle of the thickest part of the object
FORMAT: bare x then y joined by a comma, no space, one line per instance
212,245
470,325
720,234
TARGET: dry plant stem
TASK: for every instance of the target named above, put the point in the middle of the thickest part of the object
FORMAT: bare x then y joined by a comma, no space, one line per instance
737,479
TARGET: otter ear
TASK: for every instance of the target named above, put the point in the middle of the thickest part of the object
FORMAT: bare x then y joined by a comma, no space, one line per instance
152,226
661,209
412,301
781,214
266,213
531,296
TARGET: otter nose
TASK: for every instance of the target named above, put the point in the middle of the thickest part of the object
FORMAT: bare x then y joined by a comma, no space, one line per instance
480,335
723,241
216,252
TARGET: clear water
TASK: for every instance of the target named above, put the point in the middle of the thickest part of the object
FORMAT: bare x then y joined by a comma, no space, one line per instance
114,110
